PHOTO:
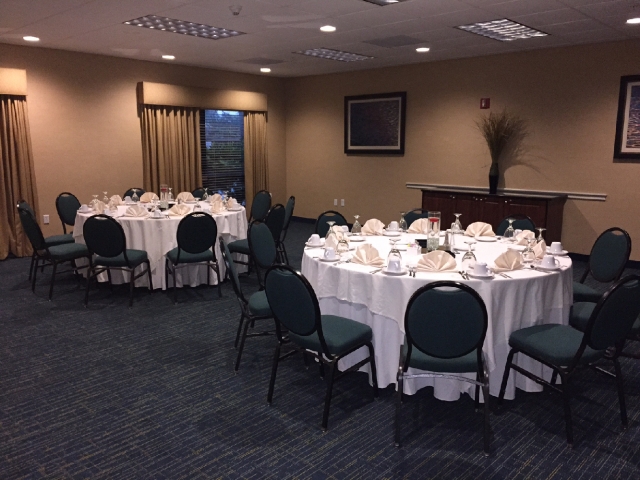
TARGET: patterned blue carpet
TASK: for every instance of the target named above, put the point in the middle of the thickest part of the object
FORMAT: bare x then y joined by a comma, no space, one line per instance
150,392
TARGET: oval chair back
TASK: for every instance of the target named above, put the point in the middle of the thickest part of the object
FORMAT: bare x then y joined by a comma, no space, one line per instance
67,205
261,245
105,237
330,215
609,255
232,273
197,232
275,220
614,315
198,193
414,215
129,193
288,209
30,226
260,205
445,320
522,222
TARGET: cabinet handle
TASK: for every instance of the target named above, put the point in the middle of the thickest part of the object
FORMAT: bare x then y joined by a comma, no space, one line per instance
506,201
453,196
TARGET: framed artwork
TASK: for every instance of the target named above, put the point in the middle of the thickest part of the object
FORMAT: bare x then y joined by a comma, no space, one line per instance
627,146
375,124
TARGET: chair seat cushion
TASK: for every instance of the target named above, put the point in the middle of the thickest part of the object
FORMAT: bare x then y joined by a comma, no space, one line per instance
341,335
185,257
54,240
422,361
554,344
580,314
584,293
240,246
258,305
136,257
68,251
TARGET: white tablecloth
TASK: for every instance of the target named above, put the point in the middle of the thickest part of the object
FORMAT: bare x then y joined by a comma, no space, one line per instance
529,298
158,237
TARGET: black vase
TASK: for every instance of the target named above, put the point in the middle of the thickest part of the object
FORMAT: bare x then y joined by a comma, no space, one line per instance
493,183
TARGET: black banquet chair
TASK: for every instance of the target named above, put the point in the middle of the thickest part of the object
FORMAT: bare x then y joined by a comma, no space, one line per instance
445,325
328,338
105,239
139,191
262,247
259,209
413,215
48,253
198,192
196,236
282,251
564,348
322,227
522,222
67,205
275,220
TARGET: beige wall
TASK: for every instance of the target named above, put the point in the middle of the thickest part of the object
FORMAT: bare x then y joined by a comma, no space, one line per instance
569,96
84,124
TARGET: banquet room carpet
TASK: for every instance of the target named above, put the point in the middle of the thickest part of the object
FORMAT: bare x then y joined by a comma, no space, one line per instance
150,392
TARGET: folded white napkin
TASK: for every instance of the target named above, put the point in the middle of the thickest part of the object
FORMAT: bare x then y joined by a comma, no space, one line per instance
509,260
521,238
178,210
232,203
116,200
185,197
337,237
367,254
216,197
98,207
373,227
217,206
421,225
148,197
136,211
437,261
540,249
479,229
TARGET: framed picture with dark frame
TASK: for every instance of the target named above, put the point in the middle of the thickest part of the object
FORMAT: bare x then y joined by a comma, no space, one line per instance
627,146
375,124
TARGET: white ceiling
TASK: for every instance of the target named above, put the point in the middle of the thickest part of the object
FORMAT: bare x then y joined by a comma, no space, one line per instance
276,28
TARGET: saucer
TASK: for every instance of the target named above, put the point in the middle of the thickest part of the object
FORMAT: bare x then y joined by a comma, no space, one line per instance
356,238
518,248
157,218
489,274
392,233
395,274
546,269
234,209
330,260
563,253
313,245
486,239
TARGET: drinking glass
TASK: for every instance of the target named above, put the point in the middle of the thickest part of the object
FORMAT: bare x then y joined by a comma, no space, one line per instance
509,233
105,199
170,196
540,237
205,195
468,259
356,228
135,198
456,226
433,237
94,201
394,255
434,221
402,224
528,255
342,247
330,233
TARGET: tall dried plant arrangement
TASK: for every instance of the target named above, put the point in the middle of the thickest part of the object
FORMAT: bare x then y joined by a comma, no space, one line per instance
498,129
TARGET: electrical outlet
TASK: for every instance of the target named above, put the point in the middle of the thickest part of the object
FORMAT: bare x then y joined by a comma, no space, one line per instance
342,202
335,202
45,219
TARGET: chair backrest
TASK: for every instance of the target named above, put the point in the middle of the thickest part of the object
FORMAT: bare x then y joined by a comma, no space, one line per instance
196,233
288,209
614,315
445,320
275,220
260,205
414,215
139,191
231,271
522,222
609,255
261,244
293,302
30,226
67,205
330,215
104,236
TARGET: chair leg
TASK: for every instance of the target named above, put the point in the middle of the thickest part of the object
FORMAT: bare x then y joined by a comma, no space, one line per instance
33,261
274,370
149,274
327,398
242,317
398,405
89,275
110,282
505,377
487,424
241,346
166,274
132,280
620,384
53,279
175,283
217,270
566,397
374,373
476,399
554,377
33,278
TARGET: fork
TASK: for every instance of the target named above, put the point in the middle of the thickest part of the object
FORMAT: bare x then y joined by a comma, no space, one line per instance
463,275
504,275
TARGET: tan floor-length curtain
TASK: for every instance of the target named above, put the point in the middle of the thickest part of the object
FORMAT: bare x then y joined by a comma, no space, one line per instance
17,175
256,164
171,148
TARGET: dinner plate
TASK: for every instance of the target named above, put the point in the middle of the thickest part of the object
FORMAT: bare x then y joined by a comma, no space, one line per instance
156,218
392,233
190,202
564,253
486,239
489,275
235,209
329,260
518,248
356,238
312,245
546,269
395,274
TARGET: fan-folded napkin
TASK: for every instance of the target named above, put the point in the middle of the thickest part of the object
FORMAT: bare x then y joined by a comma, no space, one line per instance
509,260
337,237
115,200
437,261
136,211
373,226
216,197
217,206
185,197
178,210
421,225
540,249
479,229
98,207
148,197
367,255
521,238
232,203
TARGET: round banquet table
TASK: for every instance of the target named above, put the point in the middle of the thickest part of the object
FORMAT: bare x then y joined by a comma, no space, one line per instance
529,297
158,236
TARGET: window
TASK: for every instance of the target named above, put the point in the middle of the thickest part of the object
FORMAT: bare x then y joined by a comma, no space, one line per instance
222,139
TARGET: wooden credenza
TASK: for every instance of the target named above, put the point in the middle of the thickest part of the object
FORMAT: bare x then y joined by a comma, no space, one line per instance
545,211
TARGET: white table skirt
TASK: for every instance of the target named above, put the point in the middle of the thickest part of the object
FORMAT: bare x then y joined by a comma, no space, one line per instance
528,298
157,237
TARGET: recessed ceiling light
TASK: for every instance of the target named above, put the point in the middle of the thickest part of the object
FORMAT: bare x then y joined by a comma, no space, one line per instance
503,30
328,28
333,54
265,70
29,38
168,57
185,28
633,21
422,49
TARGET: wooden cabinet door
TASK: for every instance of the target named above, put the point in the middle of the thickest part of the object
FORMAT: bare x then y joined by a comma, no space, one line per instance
440,202
470,207
534,208
493,208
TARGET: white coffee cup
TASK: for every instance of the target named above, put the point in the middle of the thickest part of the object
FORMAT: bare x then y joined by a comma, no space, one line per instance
556,247
157,214
394,266
345,228
84,208
127,199
549,261
480,269
314,239
329,253
393,226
